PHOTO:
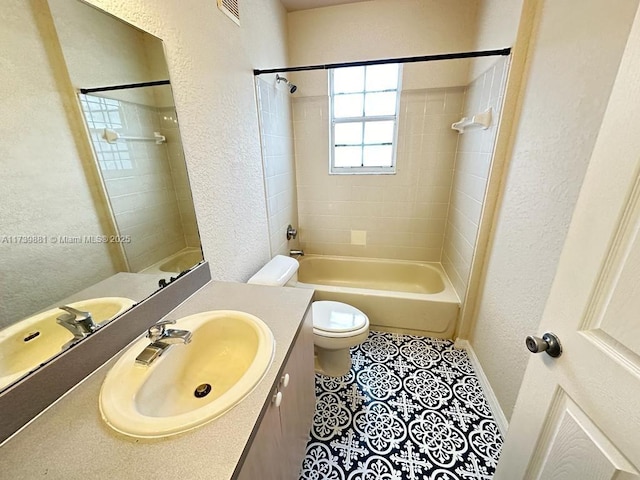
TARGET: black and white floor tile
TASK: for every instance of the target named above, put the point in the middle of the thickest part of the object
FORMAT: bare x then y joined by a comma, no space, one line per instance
411,408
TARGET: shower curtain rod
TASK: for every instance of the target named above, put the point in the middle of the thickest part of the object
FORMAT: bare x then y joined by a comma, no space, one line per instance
425,58
124,87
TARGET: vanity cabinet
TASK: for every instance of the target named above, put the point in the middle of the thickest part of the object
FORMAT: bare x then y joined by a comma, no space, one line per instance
278,446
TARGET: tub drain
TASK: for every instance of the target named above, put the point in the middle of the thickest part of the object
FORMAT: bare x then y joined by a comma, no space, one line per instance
202,390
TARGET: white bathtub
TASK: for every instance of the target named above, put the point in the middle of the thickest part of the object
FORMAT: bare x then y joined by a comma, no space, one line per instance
396,295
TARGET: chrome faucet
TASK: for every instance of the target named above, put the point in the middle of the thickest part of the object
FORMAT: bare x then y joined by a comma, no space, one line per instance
78,322
161,339
296,253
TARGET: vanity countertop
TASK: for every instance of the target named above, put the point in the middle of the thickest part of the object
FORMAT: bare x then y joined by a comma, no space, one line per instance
69,440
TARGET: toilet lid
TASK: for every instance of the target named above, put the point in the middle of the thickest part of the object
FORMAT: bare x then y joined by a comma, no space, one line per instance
334,317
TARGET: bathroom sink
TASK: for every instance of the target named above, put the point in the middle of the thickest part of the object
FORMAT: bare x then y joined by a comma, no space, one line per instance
34,340
189,384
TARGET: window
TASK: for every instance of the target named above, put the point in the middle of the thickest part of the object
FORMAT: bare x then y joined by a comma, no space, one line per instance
101,113
364,118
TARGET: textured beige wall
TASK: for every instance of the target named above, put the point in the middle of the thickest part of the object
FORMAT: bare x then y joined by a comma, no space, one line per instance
496,27
210,61
100,51
572,62
45,190
386,29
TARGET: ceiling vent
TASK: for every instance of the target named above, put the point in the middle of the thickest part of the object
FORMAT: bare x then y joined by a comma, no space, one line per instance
230,9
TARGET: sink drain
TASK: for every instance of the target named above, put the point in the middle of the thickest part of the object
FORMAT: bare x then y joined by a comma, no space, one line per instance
202,390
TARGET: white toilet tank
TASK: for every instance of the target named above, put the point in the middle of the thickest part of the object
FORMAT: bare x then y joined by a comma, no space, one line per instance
278,272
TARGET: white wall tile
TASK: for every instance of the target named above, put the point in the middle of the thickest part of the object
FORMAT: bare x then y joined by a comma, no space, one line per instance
151,194
404,214
276,118
472,167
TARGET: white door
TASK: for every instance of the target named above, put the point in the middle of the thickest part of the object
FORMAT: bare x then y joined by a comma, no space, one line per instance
578,416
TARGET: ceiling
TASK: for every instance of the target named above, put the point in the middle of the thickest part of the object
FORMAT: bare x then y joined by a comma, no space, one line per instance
293,5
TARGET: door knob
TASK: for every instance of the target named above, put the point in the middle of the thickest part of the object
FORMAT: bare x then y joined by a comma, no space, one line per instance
548,343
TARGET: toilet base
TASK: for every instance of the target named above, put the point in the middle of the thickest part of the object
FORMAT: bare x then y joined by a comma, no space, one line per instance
332,363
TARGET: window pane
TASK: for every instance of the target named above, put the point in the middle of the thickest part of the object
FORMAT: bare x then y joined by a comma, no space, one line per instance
378,156
347,105
348,133
347,80
348,157
378,132
380,104
382,77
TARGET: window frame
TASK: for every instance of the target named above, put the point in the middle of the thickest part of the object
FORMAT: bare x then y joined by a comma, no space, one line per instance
364,119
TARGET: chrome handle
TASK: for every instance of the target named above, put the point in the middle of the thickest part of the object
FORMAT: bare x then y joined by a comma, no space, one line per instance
164,322
291,232
157,330
549,343
77,314
78,321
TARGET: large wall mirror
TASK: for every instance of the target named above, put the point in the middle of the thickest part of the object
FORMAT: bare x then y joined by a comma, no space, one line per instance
98,212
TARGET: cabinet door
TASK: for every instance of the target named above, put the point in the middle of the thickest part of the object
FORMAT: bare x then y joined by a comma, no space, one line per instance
265,459
298,400
277,450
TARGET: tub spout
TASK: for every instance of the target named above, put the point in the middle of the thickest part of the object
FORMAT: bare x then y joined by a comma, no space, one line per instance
296,253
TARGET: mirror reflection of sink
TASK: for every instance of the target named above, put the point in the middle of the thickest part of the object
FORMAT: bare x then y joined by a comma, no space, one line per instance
190,384
34,340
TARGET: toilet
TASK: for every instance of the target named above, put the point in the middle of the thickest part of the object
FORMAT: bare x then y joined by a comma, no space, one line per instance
337,326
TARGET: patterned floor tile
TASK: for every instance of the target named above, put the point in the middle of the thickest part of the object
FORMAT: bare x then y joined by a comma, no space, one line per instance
410,408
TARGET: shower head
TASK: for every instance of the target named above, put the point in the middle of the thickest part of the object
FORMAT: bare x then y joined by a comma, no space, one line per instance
292,87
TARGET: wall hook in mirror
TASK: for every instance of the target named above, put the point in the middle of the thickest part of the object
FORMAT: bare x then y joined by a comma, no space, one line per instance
111,136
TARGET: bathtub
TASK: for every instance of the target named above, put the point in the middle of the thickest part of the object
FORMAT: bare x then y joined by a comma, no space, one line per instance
176,263
397,295
181,261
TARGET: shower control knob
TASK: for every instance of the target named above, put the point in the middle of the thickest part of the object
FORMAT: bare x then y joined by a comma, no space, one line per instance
548,343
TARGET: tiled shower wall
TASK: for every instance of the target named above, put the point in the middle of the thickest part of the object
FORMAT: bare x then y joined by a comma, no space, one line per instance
274,105
403,215
170,129
138,179
472,167
429,211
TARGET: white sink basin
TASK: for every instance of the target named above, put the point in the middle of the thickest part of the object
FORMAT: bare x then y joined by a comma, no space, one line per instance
229,354
28,343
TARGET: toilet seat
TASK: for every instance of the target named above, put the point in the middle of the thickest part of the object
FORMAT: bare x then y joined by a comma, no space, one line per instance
337,319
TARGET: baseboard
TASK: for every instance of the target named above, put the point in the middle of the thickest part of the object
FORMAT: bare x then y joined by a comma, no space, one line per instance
498,414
